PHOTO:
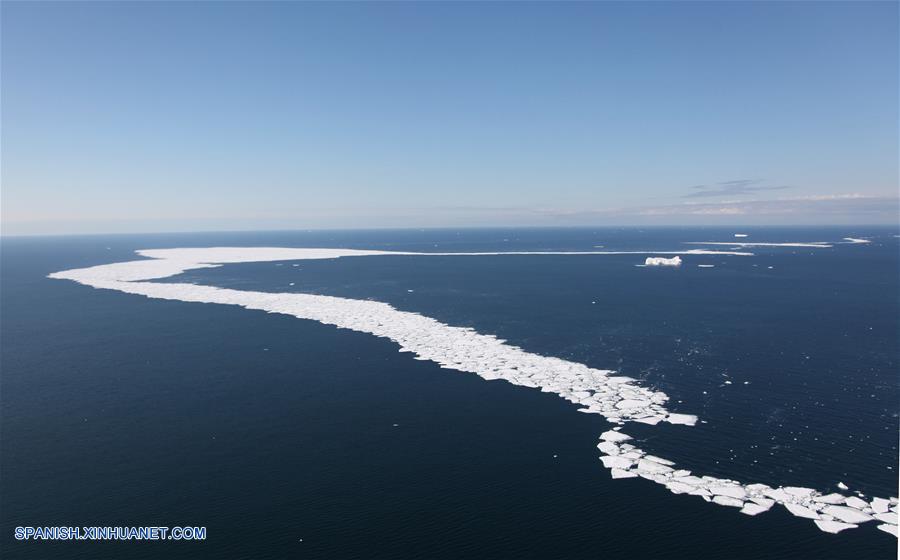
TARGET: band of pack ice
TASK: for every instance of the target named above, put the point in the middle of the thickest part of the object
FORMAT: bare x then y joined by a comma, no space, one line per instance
619,399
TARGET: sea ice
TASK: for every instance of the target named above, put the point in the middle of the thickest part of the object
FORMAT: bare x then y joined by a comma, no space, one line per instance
619,399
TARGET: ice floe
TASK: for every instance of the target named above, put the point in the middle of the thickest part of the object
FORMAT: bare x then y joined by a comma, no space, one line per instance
618,399
833,526
880,505
889,529
751,508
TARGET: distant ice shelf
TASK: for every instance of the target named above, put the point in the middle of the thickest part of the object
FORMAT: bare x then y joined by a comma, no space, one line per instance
617,398
813,244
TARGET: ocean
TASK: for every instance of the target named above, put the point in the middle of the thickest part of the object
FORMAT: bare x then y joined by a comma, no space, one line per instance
292,438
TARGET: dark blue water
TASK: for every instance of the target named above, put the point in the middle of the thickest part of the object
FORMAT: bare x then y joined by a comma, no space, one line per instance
119,410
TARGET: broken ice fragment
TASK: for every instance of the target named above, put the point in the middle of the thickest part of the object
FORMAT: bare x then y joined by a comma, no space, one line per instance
614,461
614,436
621,473
888,517
801,511
832,498
753,509
728,501
833,526
847,514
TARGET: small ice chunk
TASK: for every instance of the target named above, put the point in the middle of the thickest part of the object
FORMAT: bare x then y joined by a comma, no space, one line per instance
889,529
847,514
728,501
833,526
740,235
842,486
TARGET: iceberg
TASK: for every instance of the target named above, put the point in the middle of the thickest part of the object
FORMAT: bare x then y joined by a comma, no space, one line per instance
662,261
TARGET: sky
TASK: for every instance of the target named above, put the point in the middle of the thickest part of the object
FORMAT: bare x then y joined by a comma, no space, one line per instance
140,117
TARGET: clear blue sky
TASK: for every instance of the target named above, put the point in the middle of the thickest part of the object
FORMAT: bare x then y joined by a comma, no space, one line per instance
176,116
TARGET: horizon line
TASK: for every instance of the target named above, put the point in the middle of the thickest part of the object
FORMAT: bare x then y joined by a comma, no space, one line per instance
446,228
